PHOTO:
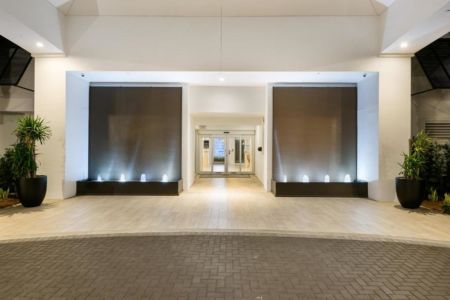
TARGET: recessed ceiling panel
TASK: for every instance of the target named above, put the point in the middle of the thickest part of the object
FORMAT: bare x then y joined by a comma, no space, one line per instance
229,7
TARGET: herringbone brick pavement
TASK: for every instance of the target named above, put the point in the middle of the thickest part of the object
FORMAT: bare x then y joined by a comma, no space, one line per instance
222,267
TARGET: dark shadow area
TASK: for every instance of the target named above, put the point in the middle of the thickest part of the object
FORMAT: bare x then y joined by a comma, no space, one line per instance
420,210
20,210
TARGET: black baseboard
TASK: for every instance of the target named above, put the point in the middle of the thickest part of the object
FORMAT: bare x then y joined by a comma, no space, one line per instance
320,189
151,188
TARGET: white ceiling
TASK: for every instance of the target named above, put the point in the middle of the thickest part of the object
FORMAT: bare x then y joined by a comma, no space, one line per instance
229,7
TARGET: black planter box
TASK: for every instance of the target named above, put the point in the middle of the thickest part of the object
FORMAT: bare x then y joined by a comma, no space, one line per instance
150,188
320,189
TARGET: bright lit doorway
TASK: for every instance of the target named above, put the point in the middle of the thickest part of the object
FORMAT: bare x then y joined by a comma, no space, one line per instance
225,152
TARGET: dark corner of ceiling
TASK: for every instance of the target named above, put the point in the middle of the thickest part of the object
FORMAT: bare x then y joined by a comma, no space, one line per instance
430,67
14,61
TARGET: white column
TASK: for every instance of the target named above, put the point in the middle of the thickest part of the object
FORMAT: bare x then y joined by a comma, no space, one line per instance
267,148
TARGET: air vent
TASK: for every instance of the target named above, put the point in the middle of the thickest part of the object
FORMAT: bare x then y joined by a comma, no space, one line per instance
438,130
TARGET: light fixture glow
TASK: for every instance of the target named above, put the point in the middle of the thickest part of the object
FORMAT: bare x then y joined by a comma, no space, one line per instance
221,79
404,45
284,178
39,45
99,178
348,178
143,178
122,178
305,178
326,178
165,178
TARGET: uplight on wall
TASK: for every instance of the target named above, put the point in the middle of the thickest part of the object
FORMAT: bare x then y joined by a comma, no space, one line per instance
305,178
39,45
165,178
404,45
99,178
122,178
326,178
348,178
285,178
143,178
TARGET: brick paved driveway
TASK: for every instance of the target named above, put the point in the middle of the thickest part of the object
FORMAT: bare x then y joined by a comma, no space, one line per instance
222,267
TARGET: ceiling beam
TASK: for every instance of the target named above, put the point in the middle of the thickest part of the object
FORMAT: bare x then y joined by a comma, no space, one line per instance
410,25
36,26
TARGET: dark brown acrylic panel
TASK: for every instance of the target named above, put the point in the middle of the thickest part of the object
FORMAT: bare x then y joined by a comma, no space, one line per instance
134,131
314,133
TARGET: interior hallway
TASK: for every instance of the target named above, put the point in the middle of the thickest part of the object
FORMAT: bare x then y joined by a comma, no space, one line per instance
229,205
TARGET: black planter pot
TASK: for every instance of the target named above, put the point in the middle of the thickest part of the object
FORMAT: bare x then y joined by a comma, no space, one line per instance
409,192
32,191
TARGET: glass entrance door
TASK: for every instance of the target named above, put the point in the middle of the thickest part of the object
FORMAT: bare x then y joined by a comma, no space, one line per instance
219,155
225,154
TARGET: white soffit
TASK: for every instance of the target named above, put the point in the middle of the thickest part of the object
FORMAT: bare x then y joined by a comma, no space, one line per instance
137,78
203,8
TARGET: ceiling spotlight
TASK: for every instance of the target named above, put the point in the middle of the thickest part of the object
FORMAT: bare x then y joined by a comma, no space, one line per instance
404,45
221,79
39,45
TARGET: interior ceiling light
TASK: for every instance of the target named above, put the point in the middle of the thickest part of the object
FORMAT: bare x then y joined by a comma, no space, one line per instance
39,45
404,45
221,79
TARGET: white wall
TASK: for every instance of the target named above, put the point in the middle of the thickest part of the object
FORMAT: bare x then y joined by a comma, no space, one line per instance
187,170
259,155
249,44
368,131
268,134
77,128
227,100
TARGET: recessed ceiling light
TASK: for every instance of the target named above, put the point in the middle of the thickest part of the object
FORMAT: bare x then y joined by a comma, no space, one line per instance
39,45
404,45
221,79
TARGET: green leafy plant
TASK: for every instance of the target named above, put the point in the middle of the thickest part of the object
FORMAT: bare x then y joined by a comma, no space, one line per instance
446,206
433,196
420,143
30,131
414,162
412,166
4,194
435,167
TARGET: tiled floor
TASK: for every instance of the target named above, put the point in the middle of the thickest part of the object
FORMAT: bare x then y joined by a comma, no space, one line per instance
232,204
222,267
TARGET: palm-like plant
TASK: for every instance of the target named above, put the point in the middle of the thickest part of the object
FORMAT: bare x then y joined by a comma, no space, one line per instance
412,166
30,131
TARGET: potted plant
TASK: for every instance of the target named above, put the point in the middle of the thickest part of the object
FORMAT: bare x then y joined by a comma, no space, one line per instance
410,186
31,188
